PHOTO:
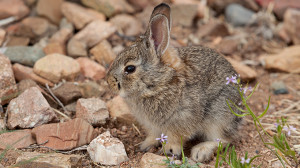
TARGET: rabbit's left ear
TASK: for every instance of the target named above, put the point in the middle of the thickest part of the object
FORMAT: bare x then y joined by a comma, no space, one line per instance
159,28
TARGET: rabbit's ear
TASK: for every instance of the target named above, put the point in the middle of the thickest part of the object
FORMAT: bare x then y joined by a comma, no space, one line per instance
159,28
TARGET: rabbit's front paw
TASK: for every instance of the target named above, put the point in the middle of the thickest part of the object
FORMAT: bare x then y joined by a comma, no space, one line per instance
171,148
148,143
204,151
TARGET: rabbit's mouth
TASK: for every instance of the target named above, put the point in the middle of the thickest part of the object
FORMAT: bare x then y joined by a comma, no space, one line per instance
114,84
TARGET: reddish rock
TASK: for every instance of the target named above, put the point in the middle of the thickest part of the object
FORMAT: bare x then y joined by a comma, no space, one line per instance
213,28
103,53
93,110
128,24
141,4
15,8
61,36
91,89
65,136
16,139
2,36
88,37
2,123
79,15
29,109
229,45
56,67
151,160
247,73
54,48
17,40
184,14
23,72
119,110
67,92
91,69
8,87
291,25
50,9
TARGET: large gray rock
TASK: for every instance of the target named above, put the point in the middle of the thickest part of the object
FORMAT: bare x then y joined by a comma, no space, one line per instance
24,55
238,15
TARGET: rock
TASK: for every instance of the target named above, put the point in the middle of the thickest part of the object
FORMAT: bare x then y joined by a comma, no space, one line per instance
288,60
213,28
279,87
88,37
16,139
50,9
56,67
2,124
8,87
291,25
49,160
15,8
280,7
91,69
201,6
109,7
107,150
71,107
237,15
26,84
91,89
103,53
119,110
29,109
22,72
65,136
54,48
2,36
13,40
93,110
151,160
68,92
61,36
24,55
79,15
128,24
247,73
229,45
184,14
141,4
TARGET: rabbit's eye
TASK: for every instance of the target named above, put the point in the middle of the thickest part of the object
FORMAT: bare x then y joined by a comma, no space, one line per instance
129,69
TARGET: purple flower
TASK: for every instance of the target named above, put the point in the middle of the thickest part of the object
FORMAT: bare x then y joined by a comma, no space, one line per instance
245,161
246,89
276,125
162,138
173,158
289,129
231,80
218,140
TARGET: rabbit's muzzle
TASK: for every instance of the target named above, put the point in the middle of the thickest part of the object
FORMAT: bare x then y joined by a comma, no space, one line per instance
114,84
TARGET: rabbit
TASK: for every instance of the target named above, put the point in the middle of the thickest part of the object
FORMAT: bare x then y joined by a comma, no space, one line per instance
180,92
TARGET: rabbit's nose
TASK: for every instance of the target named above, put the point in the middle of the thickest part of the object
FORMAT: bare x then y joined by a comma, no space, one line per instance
113,83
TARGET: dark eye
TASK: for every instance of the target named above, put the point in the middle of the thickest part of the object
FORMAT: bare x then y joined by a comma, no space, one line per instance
129,69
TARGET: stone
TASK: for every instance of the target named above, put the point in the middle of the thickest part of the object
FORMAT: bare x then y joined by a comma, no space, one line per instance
107,150
16,139
109,7
291,25
26,84
24,55
56,67
247,73
279,87
71,107
91,89
229,45
128,24
54,48
119,110
79,15
103,53
151,160
50,9
139,5
2,36
52,159
61,36
15,8
29,109
238,15
22,72
13,40
8,87
67,92
213,28
88,37
184,14
202,7
93,110
288,60
66,135
91,69
2,124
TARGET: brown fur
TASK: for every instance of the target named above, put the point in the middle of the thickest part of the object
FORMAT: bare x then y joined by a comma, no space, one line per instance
180,92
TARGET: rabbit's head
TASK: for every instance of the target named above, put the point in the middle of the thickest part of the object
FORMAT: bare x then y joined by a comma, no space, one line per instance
140,69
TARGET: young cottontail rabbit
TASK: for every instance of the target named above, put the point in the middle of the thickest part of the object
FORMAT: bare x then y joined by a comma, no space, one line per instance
180,92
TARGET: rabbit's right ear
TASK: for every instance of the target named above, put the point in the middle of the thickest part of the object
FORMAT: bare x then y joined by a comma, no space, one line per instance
158,32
